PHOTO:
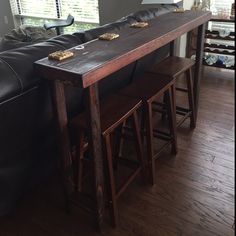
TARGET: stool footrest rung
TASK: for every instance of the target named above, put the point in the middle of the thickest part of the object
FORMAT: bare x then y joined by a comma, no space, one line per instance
182,109
159,107
158,110
158,104
181,89
182,113
181,121
128,163
155,156
127,181
162,135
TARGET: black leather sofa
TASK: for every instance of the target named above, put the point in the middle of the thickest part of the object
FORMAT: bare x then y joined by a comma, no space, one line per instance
28,151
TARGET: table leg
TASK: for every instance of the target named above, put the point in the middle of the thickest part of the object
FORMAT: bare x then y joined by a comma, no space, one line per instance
59,106
172,48
198,65
95,148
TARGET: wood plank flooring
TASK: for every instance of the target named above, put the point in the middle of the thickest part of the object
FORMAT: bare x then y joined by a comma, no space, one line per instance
194,194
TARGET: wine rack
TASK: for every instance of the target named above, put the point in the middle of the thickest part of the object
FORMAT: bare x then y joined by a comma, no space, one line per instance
226,48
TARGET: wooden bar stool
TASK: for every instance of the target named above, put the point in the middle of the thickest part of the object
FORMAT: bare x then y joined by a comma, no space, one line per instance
174,67
115,110
148,88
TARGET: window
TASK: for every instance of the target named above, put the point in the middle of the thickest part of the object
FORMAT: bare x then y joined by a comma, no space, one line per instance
221,7
37,12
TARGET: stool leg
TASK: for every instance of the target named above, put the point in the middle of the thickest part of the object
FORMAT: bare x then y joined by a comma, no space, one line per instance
163,115
171,108
138,143
121,140
112,187
119,143
191,98
79,161
143,124
149,137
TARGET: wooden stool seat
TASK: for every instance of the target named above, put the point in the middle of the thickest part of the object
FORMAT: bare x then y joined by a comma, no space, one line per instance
173,67
115,110
149,88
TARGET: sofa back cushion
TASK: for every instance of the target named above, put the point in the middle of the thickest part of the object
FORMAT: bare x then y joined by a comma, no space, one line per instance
18,64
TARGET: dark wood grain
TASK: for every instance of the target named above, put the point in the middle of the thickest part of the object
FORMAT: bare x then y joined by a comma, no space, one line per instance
59,106
194,192
198,72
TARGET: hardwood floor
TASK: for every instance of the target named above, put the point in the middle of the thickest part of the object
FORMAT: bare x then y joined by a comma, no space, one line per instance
194,194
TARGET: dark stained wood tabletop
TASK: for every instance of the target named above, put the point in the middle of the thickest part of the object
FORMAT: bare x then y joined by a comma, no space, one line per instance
101,58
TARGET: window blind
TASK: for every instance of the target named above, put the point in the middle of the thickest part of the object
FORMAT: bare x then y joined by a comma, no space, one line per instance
14,7
221,6
39,8
83,11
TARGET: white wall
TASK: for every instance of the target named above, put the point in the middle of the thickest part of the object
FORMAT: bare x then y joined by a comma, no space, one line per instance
187,4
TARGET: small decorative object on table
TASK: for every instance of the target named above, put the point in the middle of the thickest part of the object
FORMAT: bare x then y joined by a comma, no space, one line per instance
179,10
60,55
108,36
139,25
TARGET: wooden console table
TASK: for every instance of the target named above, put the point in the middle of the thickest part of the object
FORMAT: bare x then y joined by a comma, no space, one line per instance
99,59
